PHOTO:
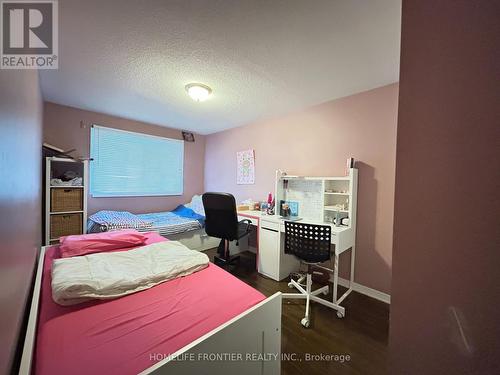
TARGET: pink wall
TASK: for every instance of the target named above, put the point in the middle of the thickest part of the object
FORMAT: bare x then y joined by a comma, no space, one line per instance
20,202
445,305
316,142
62,129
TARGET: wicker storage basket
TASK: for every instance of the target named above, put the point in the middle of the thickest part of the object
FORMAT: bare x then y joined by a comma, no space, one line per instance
66,199
65,224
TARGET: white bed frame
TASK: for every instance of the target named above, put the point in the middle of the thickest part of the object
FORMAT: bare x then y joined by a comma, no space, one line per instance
196,239
250,343
199,240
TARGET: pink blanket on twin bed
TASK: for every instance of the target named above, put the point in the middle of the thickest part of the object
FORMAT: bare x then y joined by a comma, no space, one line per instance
127,335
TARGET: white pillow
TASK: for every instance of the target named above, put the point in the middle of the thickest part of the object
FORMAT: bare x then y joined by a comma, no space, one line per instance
196,205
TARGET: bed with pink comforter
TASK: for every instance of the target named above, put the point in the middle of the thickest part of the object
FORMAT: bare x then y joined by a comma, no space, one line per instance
129,334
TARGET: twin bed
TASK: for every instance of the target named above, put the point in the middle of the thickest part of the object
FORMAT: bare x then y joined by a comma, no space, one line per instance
184,224
164,223
206,322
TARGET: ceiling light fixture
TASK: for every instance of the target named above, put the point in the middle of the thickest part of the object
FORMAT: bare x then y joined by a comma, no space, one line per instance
198,91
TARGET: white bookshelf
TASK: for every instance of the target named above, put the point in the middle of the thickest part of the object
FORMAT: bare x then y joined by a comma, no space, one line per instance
53,167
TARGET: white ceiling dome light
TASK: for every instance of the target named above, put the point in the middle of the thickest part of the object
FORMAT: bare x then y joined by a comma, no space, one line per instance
198,91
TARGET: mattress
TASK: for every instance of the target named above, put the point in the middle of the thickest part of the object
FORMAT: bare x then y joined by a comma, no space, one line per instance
165,223
129,334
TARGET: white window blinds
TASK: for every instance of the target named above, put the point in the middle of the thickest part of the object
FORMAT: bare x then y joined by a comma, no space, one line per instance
128,164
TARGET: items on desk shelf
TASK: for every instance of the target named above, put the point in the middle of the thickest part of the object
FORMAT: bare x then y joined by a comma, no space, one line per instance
269,198
294,208
284,209
270,210
269,207
341,218
248,204
266,208
339,206
344,222
289,209
337,191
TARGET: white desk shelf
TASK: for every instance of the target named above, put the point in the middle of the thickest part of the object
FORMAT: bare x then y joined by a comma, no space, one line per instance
332,208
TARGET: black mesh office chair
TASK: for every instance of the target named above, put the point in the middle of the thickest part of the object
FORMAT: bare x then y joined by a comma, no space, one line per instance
311,244
221,221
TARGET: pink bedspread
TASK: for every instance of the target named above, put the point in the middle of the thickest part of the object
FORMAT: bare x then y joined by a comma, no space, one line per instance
123,336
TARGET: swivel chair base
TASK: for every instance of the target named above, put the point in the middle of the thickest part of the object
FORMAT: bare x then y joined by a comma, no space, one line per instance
223,258
223,261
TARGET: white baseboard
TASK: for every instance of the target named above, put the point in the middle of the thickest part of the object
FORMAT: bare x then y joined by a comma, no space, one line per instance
373,293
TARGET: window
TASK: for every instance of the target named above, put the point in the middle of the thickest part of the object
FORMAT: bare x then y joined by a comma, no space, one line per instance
127,164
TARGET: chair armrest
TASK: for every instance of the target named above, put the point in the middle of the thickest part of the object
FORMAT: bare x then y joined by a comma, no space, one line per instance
247,221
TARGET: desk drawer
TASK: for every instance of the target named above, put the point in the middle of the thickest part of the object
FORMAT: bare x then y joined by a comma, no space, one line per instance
270,225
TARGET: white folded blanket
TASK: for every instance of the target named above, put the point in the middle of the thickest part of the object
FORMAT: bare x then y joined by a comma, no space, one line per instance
111,275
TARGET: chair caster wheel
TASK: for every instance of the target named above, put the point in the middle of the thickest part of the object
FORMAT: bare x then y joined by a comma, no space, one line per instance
340,315
290,285
305,322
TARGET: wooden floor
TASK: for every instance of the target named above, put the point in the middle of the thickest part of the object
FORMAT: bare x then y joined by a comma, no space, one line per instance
362,334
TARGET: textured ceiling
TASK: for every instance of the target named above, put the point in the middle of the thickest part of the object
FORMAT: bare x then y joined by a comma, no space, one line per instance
262,58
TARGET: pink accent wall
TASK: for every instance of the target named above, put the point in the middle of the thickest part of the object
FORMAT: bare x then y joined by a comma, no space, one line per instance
61,126
20,203
445,305
316,142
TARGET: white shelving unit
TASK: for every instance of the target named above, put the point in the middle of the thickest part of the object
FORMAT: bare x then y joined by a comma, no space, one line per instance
320,198
53,167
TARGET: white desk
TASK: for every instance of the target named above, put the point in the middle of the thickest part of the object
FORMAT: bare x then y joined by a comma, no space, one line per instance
274,263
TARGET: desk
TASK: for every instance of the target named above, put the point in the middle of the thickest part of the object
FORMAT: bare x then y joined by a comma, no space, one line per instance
274,263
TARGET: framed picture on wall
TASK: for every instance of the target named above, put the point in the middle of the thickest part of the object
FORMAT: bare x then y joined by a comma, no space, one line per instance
245,174
188,136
